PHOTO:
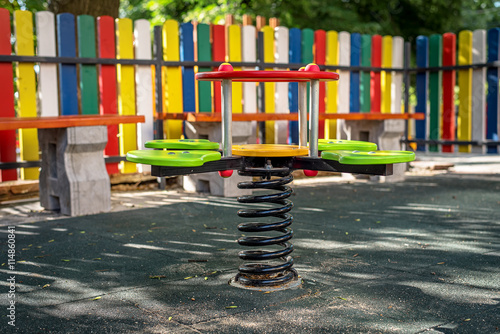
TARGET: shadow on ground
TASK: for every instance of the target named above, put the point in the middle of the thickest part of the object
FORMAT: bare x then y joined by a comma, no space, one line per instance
422,255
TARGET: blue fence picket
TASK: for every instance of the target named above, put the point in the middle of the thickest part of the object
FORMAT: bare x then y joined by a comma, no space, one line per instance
295,38
187,54
493,41
354,104
66,47
422,84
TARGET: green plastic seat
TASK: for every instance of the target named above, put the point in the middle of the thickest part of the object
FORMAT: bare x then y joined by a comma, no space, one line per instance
182,144
368,157
341,144
193,158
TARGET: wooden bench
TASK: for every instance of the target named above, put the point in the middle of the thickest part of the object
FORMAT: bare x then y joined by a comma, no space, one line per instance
385,130
73,176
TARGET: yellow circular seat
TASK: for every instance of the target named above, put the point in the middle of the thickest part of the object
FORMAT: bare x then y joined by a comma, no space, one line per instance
269,150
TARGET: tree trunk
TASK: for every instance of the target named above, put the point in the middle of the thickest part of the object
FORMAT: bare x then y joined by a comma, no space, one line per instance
89,7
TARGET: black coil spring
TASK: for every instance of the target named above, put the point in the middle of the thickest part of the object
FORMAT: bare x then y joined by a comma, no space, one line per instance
275,272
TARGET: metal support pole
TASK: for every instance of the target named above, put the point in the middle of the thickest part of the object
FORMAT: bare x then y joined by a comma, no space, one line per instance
314,121
302,114
227,118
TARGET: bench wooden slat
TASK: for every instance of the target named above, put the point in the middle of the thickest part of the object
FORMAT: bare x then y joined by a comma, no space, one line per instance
12,123
206,117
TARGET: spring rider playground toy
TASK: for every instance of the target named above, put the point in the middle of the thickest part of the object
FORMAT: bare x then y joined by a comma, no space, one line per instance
270,269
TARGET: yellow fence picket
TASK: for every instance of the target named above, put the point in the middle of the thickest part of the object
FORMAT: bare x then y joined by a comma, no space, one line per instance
126,90
269,86
172,77
234,55
26,104
386,76
332,58
281,96
464,127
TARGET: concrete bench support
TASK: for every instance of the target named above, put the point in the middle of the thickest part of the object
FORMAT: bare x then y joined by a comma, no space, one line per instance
386,134
212,182
73,177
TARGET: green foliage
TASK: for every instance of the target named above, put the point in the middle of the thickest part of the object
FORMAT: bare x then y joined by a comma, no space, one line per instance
32,5
406,18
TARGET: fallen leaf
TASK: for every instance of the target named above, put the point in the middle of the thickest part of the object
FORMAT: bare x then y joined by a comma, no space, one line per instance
341,298
232,306
157,276
82,232
466,319
355,255
65,260
169,318
51,240
45,286
97,258
441,263
96,298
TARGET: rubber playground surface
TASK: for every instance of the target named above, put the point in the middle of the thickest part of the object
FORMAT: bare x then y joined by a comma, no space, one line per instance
416,256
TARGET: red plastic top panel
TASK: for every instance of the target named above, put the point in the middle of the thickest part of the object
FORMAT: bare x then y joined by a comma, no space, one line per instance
267,76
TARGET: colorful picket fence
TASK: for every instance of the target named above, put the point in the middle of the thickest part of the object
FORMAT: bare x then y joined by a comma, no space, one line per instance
477,110
371,72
